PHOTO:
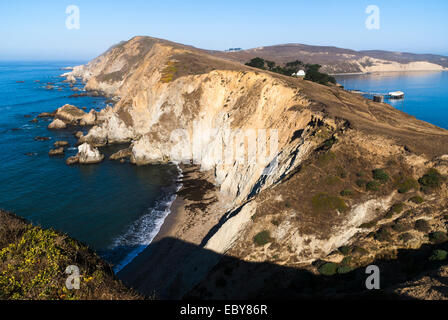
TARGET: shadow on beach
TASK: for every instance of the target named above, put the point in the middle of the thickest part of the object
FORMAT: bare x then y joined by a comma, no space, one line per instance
173,269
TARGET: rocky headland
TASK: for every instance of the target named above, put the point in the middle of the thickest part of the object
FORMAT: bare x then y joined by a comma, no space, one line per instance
343,181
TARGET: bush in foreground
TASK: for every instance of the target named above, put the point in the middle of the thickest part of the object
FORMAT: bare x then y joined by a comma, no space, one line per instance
438,255
328,269
438,237
33,262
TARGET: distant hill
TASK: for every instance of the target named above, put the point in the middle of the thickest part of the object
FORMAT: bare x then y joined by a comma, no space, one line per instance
338,60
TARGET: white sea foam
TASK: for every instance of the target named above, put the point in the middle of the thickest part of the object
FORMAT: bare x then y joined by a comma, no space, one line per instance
143,231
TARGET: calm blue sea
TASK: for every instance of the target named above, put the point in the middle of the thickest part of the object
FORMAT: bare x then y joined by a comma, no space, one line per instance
426,93
115,208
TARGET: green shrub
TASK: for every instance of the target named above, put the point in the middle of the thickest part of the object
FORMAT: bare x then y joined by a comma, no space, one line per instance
368,225
431,180
346,261
361,183
397,208
417,199
438,237
401,227
341,172
326,202
359,251
373,186
382,235
422,225
328,269
438,255
33,263
346,193
344,269
380,175
256,62
345,250
313,74
169,72
260,239
405,237
407,185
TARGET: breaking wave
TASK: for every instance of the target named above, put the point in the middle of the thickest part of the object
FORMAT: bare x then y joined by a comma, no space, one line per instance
143,231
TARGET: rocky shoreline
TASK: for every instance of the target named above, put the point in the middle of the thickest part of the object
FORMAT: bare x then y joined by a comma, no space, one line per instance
194,212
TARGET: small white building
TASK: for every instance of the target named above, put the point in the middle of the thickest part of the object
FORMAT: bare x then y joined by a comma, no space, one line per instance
299,73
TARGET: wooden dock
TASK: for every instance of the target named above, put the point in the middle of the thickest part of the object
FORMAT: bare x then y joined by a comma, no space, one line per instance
379,96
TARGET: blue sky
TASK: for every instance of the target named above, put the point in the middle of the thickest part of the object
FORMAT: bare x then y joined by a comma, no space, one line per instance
35,30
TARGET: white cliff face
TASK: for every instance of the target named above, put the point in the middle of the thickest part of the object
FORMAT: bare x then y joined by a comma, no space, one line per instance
111,130
88,154
232,122
200,119
231,230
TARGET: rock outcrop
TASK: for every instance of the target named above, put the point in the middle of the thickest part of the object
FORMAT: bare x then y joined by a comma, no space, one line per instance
72,160
46,115
75,116
56,152
121,154
63,143
88,154
78,134
57,124
39,138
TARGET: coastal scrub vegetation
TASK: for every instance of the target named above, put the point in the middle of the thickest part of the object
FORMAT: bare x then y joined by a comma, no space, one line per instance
312,72
262,238
432,179
373,185
33,262
407,185
417,199
438,255
327,202
438,237
380,175
422,225
169,72
328,269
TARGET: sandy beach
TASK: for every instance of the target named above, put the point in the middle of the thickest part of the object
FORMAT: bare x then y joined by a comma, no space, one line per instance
195,211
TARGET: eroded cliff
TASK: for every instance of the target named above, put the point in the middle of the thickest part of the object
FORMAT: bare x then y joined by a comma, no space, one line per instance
296,163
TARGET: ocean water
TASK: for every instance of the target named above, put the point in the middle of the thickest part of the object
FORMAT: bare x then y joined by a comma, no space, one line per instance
426,93
115,208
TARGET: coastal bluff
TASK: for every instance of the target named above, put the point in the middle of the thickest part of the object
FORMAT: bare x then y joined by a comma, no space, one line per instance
340,171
